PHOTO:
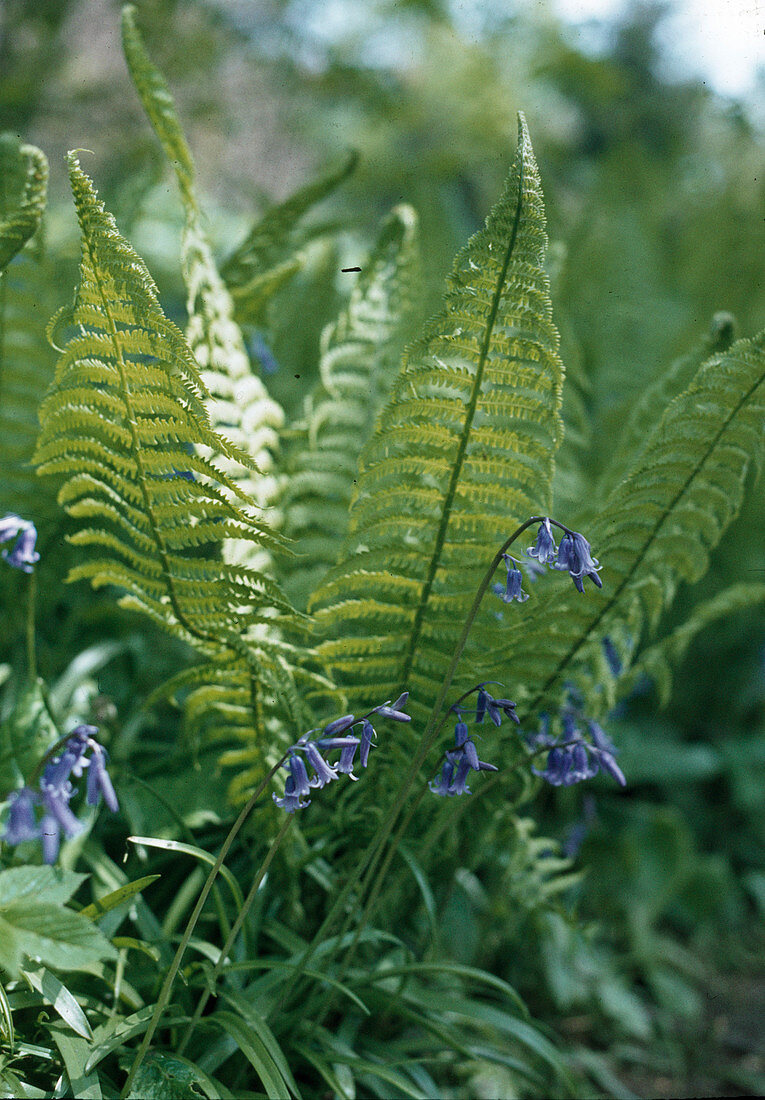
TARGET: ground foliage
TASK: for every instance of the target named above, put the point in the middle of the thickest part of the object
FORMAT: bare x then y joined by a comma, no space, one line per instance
285,513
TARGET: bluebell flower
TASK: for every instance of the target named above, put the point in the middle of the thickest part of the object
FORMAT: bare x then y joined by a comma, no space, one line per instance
292,800
367,734
544,549
21,824
606,749
259,349
23,554
335,735
395,711
513,590
56,792
494,707
572,759
460,761
574,556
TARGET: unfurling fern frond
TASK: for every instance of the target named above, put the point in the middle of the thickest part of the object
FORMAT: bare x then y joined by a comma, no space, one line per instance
359,355
463,452
121,425
656,529
239,405
26,363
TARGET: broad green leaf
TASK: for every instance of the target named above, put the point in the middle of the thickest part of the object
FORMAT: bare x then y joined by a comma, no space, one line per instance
59,998
170,1077
38,884
463,452
74,1052
57,936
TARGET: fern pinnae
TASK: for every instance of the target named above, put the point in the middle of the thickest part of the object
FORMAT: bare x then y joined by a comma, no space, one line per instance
129,481
462,452
656,529
239,406
355,369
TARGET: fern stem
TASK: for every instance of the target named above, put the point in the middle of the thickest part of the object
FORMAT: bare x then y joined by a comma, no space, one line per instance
164,994
207,993
462,447
30,630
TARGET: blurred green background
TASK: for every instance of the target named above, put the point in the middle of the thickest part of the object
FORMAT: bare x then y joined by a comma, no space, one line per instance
656,208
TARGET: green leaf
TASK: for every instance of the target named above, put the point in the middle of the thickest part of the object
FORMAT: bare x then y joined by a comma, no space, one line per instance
74,1051
110,901
34,922
197,853
55,993
6,1019
257,1051
25,736
170,1077
463,452
116,1032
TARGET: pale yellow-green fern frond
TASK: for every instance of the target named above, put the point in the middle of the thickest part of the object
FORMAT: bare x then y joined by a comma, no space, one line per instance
239,405
122,425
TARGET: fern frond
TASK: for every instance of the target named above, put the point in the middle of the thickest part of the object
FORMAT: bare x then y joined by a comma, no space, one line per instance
26,362
656,529
239,405
649,407
462,453
23,192
121,423
358,359
658,660
264,247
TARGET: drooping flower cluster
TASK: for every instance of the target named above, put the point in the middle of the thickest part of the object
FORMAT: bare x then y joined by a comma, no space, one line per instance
336,736
463,758
573,757
55,793
572,556
23,554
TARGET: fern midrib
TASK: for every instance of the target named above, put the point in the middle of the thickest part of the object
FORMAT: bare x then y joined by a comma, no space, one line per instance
610,603
462,448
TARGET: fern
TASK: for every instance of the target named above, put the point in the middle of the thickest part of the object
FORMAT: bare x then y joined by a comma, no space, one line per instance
657,661
656,529
121,425
26,364
261,255
356,371
240,408
463,452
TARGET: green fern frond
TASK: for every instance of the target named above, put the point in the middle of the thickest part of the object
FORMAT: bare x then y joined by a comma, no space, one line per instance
239,405
658,661
463,452
26,362
359,354
647,410
265,245
121,424
23,192
656,529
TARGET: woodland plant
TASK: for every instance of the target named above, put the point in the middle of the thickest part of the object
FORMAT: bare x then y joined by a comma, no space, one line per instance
303,569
